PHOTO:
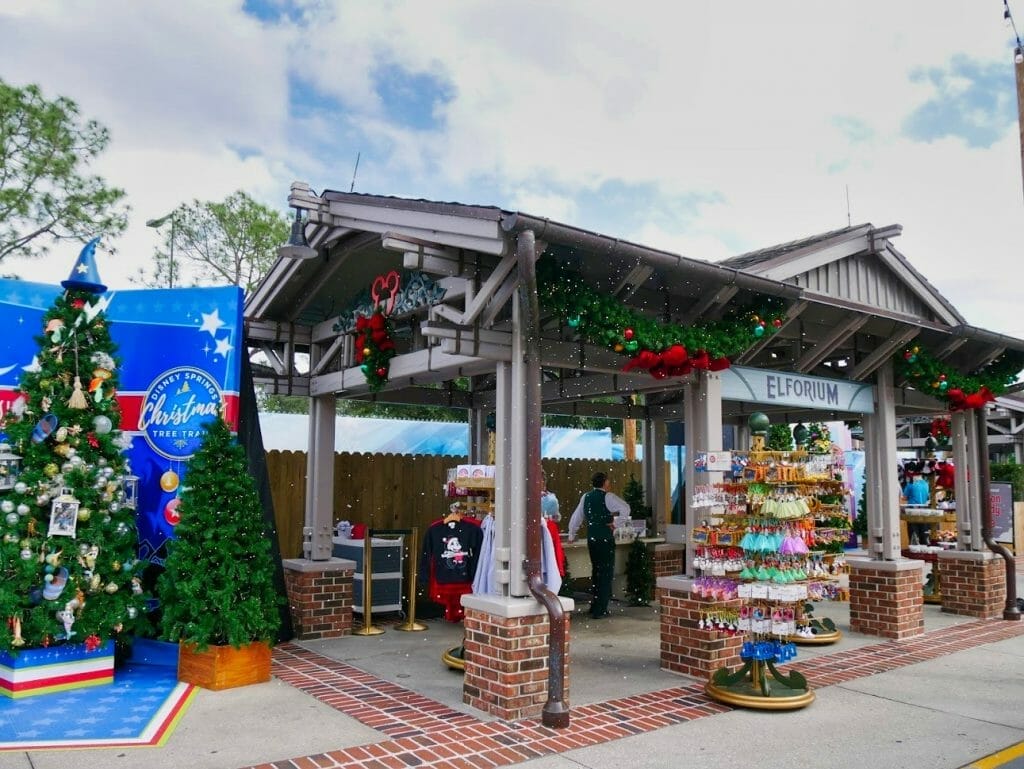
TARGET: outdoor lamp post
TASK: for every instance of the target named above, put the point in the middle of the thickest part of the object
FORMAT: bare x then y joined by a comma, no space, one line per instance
157,223
297,247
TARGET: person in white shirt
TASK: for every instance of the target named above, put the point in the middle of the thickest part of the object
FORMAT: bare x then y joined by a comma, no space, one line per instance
598,508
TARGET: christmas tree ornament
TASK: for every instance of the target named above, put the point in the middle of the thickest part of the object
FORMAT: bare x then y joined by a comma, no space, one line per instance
44,427
169,481
171,514
84,275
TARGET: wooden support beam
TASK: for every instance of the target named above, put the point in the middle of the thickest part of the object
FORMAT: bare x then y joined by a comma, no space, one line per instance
823,348
709,303
882,353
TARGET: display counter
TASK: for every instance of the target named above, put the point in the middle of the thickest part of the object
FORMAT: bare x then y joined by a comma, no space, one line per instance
577,559
931,519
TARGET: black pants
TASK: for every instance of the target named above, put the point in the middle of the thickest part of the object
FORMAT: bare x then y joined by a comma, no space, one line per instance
602,563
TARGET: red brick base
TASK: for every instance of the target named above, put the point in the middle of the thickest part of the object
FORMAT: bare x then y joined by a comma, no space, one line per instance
668,560
507,663
973,584
685,648
320,597
886,598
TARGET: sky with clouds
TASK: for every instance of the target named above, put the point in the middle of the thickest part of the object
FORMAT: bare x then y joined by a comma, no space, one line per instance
709,129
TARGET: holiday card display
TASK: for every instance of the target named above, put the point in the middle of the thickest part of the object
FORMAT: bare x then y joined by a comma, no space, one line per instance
70,567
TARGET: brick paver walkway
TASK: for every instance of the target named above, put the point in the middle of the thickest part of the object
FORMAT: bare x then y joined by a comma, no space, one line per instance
421,732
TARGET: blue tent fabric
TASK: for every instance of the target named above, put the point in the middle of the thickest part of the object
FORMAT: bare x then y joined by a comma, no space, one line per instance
288,432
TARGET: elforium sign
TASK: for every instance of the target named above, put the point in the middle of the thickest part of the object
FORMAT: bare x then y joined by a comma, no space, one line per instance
175,407
788,389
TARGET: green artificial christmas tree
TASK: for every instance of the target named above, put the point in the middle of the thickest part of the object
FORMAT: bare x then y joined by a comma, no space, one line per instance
633,495
68,552
779,438
639,574
218,584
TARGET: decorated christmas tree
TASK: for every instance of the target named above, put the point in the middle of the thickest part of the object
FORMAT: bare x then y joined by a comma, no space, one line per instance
218,584
68,560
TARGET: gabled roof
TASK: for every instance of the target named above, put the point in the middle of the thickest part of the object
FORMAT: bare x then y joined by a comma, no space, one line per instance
855,264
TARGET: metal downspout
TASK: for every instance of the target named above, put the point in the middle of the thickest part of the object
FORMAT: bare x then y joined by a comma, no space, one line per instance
555,713
1010,610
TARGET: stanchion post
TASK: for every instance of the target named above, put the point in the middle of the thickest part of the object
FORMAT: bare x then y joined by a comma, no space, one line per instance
411,625
368,627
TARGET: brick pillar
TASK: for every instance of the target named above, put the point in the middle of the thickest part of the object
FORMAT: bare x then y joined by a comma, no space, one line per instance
685,648
319,596
506,656
886,598
973,584
668,560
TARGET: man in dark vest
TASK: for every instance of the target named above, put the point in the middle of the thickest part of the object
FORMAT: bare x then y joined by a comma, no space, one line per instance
598,507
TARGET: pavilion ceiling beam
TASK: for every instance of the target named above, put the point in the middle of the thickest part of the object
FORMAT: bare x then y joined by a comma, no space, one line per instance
635,278
488,289
339,342
712,302
954,344
419,367
822,349
500,299
792,313
984,358
274,359
882,353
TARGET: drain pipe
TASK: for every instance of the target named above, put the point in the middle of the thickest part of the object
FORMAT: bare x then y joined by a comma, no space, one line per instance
555,713
1010,610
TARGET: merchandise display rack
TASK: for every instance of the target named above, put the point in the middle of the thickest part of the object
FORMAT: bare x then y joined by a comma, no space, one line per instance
471,492
758,546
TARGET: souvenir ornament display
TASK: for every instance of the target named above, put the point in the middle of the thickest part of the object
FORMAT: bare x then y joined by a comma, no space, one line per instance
764,547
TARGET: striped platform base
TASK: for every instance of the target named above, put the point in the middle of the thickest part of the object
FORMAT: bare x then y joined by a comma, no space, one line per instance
55,669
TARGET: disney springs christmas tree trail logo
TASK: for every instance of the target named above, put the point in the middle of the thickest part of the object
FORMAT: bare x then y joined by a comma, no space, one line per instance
174,409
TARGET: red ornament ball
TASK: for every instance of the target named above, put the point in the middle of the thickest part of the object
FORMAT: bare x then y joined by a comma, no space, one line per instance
777,323
628,333
382,372
171,514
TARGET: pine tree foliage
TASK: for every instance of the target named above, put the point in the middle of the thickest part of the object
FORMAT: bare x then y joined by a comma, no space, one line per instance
640,579
73,578
218,584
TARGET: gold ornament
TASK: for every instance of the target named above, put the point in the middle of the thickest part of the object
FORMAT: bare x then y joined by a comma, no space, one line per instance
169,481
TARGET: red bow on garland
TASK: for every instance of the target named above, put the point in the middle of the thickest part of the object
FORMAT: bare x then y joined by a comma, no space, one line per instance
959,402
674,362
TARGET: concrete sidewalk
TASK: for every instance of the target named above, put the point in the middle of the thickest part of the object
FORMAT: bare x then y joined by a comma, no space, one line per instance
950,698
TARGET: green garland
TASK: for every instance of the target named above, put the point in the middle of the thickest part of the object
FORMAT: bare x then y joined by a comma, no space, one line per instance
663,349
927,374
375,348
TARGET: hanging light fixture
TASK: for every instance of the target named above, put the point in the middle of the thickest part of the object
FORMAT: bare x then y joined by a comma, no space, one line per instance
297,246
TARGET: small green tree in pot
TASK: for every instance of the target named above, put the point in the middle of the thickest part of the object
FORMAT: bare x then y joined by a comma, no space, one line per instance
639,564
217,592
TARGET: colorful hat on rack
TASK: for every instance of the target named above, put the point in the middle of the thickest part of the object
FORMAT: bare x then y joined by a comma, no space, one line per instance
84,275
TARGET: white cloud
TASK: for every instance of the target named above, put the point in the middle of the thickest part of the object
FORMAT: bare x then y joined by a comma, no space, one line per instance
762,113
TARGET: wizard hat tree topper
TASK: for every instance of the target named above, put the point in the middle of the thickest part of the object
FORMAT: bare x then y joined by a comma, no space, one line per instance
84,275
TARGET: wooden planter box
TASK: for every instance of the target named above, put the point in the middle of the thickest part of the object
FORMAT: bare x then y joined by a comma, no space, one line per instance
55,669
224,667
